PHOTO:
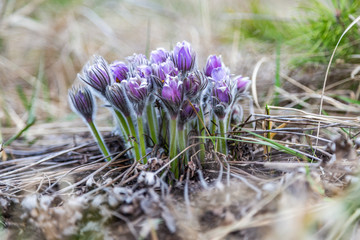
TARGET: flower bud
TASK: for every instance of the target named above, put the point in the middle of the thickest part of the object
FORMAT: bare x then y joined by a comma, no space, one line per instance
184,56
162,70
220,74
144,71
220,111
137,60
212,62
159,56
82,102
119,70
221,98
172,95
97,75
117,98
187,112
137,92
222,93
194,83
242,84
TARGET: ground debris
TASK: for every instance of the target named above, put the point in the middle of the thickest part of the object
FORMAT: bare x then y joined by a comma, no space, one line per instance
253,192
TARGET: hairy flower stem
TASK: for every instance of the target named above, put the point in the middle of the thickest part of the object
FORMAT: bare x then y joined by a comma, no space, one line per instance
201,129
123,124
173,145
134,136
150,112
182,141
125,130
213,124
99,139
141,137
222,142
164,128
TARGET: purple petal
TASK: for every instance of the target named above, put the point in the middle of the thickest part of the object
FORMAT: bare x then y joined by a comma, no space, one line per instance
159,55
219,74
242,83
82,102
144,71
119,71
97,74
183,56
187,112
212,62
172,90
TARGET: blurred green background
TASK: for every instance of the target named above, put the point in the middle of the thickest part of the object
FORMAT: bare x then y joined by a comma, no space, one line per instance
44,44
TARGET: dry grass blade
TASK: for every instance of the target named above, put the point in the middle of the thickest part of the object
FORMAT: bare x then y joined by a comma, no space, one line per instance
328,68
296,83
51,156
71,187
254,80
176,157
331,59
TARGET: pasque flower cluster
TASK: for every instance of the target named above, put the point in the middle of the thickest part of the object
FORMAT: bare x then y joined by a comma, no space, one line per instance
160,99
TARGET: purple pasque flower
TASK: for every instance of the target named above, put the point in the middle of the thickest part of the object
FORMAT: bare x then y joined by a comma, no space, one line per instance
97,75
172,95
221,98
159,56
119,70
212,63
184,56
137,60
194,83
172,89
137,92
162,70
139,66
242,84
222,92
117,98
220,74
82,102
187,112
144,71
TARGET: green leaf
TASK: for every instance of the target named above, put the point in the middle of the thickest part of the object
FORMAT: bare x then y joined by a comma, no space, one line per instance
348,100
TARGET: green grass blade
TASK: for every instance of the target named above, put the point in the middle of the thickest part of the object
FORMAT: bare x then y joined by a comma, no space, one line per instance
279,146
17,135
23,98
31,107
277,73
348,100
266,142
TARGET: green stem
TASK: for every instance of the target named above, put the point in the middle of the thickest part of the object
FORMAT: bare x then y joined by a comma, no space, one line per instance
201,125
222,124
182,142
277,73
141,137
125,130
174,164
163,125
123,124
99,140
213,124
152,123
133,134
156,121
